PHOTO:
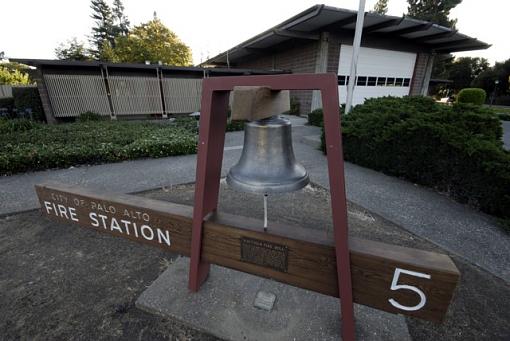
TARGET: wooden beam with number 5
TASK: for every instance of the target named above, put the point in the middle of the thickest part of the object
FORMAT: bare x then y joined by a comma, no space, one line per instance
387,277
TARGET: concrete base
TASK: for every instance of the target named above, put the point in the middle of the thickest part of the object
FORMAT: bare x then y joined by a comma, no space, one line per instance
224,308
313,141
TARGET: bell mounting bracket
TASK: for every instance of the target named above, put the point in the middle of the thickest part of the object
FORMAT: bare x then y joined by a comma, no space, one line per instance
213,120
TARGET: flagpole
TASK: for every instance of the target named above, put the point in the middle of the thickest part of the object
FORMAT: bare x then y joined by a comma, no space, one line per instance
355,52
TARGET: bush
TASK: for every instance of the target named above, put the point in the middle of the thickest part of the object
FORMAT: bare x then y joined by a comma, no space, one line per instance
16,125
455,149
235,125
29,146
472,95
504,116
28,98
89,116
191,124
295,106
316,117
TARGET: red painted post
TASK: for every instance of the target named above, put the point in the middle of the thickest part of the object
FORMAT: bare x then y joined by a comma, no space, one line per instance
333,140
210,154
213,121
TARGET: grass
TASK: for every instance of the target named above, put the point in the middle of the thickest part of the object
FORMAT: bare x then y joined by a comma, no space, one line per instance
29,146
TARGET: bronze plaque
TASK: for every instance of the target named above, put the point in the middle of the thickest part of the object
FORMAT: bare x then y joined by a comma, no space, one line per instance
264,253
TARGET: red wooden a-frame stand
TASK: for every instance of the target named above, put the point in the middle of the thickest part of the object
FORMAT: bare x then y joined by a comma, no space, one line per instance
213,120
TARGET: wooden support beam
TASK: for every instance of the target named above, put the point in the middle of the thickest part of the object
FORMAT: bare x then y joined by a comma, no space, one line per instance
386,277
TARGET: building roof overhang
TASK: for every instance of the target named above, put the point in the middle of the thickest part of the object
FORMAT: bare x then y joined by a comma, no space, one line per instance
309,23
76,64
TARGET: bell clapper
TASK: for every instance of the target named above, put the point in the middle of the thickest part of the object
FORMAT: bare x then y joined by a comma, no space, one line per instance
265,212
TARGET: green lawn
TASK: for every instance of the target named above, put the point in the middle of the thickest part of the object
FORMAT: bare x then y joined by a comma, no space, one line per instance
29,146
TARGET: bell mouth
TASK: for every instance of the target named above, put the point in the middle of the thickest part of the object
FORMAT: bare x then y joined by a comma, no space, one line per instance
268,187
267,163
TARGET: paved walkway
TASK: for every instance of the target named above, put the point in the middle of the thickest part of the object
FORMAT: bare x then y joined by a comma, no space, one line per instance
455,227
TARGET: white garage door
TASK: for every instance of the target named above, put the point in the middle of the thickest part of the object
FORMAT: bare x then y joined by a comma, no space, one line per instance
380,73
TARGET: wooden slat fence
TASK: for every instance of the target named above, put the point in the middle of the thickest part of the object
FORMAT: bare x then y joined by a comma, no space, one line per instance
71,95
5,91
182,95
135,95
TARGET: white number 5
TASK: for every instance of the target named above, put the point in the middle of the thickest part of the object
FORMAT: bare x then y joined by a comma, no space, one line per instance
395,286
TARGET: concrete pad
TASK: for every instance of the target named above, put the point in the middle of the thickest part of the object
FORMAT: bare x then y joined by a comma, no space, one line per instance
224,307
313,141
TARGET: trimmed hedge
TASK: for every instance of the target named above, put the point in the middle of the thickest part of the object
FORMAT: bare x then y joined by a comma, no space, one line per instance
34,146
29,146
88,116
472,96
504,116
316,117
457,149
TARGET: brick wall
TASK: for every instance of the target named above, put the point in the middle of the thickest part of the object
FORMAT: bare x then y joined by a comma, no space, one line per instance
298,56
420,70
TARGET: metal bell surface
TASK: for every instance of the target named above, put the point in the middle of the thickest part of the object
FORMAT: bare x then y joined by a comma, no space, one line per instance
267,163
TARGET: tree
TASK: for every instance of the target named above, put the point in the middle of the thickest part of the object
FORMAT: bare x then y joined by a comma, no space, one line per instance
464,70
120,20
154,42
499,72
436,11
381,7
14,74
72,50
104,30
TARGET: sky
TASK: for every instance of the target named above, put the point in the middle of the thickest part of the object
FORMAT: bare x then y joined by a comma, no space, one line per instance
211,27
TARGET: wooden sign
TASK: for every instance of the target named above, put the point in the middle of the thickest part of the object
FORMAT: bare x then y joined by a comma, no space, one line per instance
387,277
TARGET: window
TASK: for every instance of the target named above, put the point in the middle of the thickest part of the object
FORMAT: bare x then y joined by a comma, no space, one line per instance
375,81
343,80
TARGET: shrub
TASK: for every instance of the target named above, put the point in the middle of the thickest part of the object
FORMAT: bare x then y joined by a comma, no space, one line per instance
235,125
191,124
295,106
28,98
455,149
55,146
89,116
472,95
316,117
16,125
504,116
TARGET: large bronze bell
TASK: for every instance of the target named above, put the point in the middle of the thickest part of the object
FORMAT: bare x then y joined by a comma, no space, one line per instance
267,164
